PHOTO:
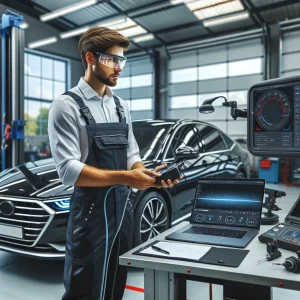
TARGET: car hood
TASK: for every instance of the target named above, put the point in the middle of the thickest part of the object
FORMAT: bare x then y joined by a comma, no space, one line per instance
33,179
38,180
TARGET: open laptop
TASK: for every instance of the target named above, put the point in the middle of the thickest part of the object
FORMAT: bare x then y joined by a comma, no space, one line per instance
226,212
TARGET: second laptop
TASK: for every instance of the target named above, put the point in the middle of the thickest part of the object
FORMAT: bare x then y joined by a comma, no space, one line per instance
225,212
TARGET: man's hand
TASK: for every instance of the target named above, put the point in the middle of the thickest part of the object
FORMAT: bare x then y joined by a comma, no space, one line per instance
168,183
142,178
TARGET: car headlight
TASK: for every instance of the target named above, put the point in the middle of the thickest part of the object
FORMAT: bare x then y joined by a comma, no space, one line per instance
61,204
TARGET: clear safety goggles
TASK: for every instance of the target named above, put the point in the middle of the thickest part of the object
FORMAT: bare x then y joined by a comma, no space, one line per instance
111,60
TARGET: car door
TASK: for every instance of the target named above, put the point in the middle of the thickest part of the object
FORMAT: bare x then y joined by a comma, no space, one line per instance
185,138
219,160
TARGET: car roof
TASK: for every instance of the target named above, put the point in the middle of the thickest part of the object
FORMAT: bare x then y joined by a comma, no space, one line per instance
173,122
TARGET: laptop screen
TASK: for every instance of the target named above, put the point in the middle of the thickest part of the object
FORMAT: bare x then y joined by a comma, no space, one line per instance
229,202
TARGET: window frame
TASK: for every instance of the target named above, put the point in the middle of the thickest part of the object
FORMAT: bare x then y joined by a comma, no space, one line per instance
41,100
192,124
219,133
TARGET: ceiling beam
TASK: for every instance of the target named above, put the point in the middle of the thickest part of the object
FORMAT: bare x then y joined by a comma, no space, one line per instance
149,9
276,5
178,27
255,16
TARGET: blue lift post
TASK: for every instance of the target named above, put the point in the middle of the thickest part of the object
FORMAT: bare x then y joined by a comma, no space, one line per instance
11,78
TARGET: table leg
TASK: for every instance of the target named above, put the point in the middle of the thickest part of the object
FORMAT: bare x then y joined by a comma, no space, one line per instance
244,291
179,288
157,285
149,284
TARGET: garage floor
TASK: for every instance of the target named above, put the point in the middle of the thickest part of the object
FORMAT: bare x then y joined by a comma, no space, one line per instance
29,279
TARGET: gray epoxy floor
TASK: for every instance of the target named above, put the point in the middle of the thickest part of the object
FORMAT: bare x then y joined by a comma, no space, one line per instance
23,278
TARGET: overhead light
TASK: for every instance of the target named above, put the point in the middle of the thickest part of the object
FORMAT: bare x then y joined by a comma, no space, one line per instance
66,10
222,20
43,42
175,2
201,4
133,31
113,22
125,26
24,25
74,32
214,10
144,38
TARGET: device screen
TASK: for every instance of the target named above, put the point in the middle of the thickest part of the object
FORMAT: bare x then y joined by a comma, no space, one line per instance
276,123
296,210
229,202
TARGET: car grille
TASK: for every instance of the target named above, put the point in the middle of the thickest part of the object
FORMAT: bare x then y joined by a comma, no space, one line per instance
32,215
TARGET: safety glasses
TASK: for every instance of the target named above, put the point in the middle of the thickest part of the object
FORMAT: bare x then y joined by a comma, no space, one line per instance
111,60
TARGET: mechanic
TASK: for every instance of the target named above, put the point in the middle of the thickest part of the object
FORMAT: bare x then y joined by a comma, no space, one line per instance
94,148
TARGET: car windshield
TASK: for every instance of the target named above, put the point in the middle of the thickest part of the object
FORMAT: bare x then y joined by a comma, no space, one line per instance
150,136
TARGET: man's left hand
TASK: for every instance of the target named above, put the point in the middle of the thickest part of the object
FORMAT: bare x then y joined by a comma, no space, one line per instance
166,183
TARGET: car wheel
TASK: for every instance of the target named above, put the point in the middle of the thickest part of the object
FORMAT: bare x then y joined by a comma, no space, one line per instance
151,217
240,175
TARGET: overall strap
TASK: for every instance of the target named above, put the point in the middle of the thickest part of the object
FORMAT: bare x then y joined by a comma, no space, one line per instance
84,110
120,109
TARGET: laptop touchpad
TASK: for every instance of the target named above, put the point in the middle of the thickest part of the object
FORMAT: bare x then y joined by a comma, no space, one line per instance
201,238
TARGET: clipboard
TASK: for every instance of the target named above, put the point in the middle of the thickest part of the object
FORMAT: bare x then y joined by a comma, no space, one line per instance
178,251
196,253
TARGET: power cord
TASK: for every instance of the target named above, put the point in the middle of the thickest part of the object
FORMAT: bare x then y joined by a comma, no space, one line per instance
104,277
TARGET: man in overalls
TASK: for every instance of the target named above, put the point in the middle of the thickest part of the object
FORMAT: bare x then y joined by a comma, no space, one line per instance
94,148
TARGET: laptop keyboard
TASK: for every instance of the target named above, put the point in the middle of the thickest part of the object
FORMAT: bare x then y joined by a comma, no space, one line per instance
236,234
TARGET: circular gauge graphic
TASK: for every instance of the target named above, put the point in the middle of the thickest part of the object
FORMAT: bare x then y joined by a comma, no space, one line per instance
273,110
230,220
200,218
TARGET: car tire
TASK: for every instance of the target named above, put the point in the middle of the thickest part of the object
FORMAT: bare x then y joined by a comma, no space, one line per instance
240,175
151,217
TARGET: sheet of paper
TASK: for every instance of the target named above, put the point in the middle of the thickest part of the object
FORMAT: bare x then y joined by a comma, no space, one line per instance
178,250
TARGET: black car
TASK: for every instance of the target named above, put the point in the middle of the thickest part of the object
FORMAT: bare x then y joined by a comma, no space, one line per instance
34,204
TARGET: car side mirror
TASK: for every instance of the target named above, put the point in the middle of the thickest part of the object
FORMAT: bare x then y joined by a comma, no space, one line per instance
186,152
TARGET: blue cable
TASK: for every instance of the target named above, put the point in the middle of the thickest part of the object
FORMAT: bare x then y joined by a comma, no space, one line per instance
106,242
102,292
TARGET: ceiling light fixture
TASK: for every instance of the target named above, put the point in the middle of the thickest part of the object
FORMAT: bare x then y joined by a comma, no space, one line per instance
217,9
144,38
133,31
226,19
124,25
74,32
66,10
203,4
43,42
24,25
175,2
113,22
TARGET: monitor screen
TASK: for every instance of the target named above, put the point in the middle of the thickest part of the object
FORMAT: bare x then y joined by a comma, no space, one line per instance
295,212
236,202
274,117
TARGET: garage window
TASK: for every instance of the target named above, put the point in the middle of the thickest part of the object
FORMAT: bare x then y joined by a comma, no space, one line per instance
135,86
45,79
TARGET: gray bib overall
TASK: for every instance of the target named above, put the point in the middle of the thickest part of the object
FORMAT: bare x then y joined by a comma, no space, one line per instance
85,274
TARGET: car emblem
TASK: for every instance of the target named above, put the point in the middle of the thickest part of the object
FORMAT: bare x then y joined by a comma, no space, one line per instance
7,208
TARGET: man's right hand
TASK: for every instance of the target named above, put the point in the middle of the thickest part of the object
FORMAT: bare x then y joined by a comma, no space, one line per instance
142,178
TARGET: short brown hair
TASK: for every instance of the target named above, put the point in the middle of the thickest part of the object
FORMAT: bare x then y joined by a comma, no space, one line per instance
99,39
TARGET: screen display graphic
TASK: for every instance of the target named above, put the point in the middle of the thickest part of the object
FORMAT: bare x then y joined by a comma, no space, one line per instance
229,202
276,122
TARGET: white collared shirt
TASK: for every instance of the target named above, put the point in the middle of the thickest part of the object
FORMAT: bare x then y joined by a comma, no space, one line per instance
68,135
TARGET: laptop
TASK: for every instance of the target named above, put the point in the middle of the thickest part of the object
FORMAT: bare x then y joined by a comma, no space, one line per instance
226,212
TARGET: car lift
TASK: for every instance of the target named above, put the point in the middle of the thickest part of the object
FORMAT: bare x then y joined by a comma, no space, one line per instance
12,90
